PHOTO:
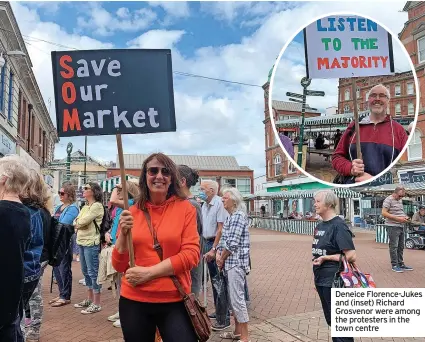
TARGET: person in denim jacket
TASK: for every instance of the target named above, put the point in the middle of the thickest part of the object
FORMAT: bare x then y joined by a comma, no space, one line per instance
66,214
37,199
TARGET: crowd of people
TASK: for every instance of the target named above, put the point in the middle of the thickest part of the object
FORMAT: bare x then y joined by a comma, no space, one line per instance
191,233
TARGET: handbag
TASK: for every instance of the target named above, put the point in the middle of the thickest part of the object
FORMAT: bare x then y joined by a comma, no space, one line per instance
196,311
350,276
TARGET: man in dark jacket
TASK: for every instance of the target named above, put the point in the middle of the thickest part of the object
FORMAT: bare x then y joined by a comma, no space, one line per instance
381,138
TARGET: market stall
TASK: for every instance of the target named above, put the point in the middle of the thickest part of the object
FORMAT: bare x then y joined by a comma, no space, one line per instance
414,193
284,203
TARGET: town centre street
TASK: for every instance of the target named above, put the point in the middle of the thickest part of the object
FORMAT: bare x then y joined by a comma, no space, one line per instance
284,306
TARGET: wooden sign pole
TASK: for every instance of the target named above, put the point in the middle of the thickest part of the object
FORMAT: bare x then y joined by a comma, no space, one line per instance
356,118
125,195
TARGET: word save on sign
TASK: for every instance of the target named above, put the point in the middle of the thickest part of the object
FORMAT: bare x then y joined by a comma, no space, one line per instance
341,46
106,92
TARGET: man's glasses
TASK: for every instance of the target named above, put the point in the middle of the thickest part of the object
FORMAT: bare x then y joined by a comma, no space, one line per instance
61,193
153,171
381,96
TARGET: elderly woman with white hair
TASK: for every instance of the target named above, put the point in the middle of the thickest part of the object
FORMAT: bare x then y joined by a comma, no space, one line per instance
331,239
15,234
233,256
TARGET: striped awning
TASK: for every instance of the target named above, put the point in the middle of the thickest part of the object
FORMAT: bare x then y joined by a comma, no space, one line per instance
340,192
412,189
339,119
108,184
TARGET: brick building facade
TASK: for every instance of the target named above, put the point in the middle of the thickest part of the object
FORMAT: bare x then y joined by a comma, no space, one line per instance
277,165
26,128
413,38
400,85
223,169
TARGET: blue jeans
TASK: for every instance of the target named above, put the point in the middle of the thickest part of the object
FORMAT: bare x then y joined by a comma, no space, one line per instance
221,318
63,274
89,259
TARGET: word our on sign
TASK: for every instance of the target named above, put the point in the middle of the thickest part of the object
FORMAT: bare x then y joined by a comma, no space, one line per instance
106,92
347,46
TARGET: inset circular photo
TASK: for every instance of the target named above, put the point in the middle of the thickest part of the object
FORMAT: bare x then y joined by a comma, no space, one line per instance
343,100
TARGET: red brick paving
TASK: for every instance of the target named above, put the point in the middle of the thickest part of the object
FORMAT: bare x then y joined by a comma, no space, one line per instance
280,285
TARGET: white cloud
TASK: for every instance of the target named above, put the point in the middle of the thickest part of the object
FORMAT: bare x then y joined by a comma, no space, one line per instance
156,39
213,118
177,9
105,24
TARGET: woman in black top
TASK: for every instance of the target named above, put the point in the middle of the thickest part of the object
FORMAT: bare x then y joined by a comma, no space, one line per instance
331,238
15,236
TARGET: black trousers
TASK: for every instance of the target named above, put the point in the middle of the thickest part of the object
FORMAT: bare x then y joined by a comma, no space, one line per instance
325,298
11,332
139,321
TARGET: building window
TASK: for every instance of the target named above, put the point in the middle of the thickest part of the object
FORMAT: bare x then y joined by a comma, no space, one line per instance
10,100
269,167
267,140
24,118
397,108
410,108
32,132
346,109
358,92
19,111
291,168
2,80
414,151
397,90
230,182
421,50
410,89
358,107
388,110
347,95
244,185
277,165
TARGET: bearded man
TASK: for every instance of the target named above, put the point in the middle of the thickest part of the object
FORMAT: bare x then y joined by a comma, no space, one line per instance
381,138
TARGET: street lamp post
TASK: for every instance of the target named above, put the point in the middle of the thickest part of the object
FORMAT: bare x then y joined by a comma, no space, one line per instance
305,82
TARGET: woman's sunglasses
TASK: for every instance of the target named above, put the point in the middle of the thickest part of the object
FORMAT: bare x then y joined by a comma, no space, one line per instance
153,171
61,193
87,188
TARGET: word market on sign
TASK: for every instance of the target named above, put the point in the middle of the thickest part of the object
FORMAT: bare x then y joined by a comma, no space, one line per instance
102,92
339,46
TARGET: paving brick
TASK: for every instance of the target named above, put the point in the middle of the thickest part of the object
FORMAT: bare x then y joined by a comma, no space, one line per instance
284,305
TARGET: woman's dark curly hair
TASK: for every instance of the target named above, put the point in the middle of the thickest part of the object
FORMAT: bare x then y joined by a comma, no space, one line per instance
175,187
190,175
97,192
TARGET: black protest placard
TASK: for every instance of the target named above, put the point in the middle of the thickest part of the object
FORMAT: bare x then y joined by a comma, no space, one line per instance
107,92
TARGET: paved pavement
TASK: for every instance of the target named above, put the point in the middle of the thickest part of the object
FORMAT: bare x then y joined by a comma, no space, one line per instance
284,306
319,167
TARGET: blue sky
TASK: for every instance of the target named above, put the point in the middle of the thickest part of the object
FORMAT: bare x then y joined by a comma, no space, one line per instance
237,41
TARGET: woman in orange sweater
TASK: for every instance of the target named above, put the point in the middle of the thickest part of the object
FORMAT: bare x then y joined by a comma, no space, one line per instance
149,298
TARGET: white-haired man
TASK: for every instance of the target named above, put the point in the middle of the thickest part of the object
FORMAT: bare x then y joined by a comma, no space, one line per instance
395,218
381,138
213,217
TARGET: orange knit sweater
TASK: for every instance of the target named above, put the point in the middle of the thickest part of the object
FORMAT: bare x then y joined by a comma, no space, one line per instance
175,224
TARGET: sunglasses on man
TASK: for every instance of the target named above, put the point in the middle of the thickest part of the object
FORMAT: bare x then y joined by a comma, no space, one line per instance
153,171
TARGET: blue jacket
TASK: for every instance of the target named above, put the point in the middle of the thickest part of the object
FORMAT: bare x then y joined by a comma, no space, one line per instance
116,221
69,214
33,254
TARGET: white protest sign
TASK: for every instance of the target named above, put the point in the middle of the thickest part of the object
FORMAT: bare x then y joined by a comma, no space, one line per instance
347,46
